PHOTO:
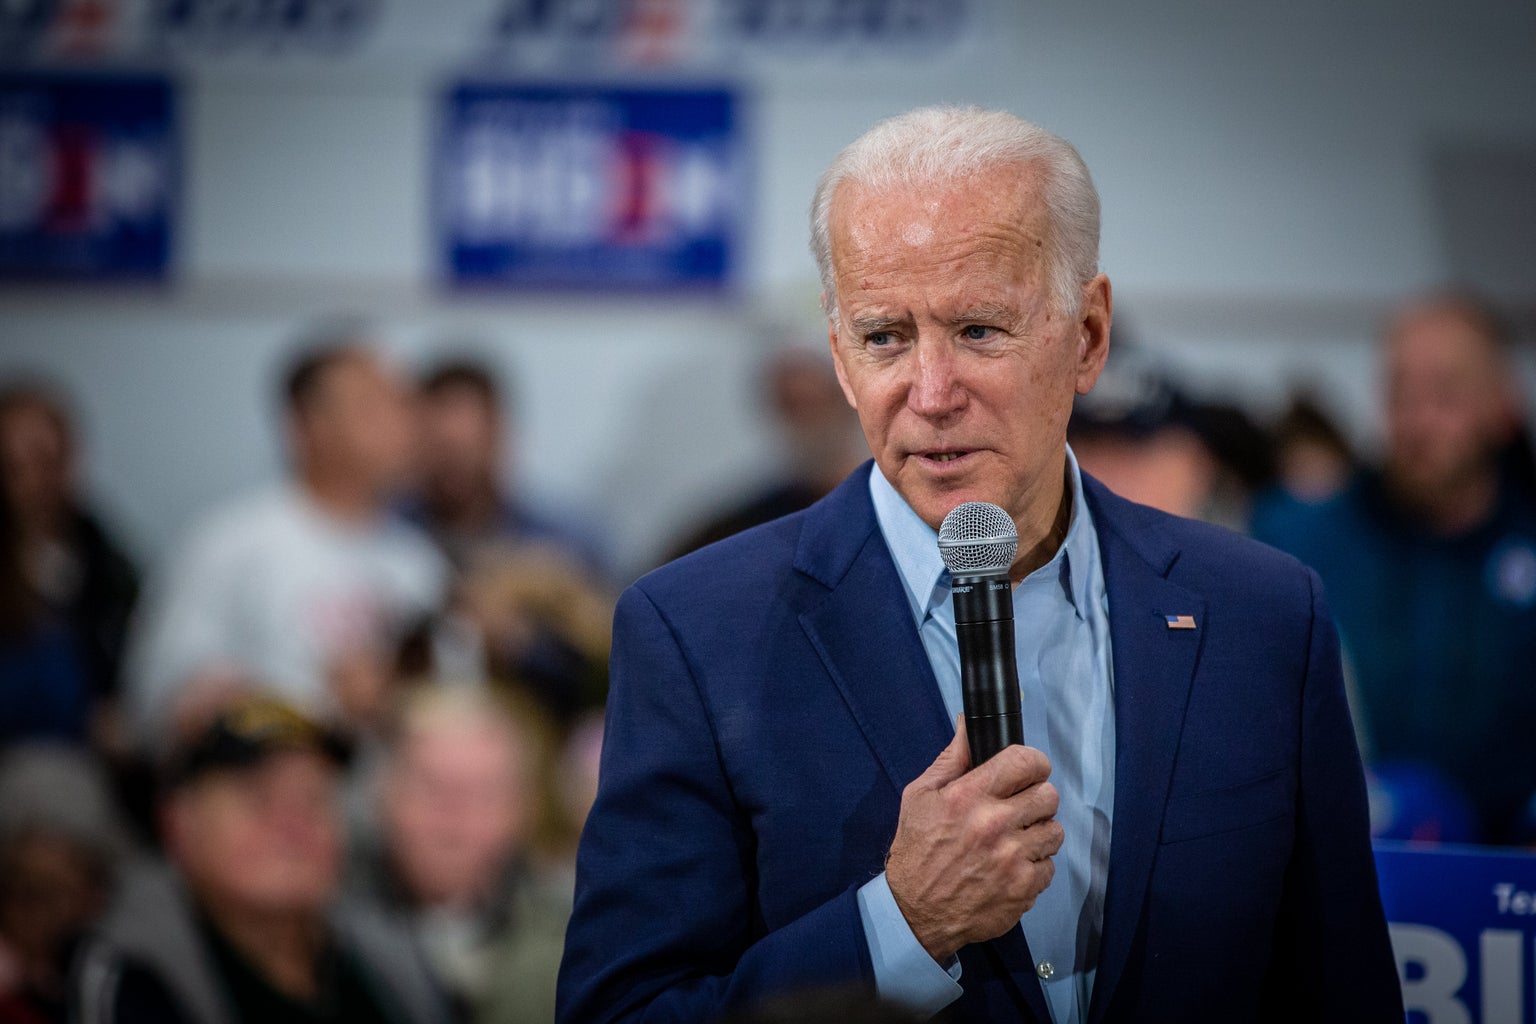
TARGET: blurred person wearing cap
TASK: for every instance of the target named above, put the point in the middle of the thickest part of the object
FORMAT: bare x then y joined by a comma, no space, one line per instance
1430,562
307,586
244,924
461,793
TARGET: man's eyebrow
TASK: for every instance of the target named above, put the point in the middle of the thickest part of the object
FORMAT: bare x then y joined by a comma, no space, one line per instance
874,323
983,313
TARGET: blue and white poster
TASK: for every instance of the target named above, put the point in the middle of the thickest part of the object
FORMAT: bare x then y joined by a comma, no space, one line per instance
1463,923
590,187
88,176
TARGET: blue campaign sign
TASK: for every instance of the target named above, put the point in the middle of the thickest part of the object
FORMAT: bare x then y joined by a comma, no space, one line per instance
1463,922
88,176
589,187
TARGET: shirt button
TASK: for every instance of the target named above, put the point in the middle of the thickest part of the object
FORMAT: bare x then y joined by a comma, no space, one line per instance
1045,969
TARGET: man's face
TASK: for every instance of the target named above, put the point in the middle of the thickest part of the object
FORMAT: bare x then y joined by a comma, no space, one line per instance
460,445
1448,402
457,804
264,839
362,422
948,347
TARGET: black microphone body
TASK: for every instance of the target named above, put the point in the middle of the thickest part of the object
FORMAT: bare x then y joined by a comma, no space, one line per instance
989,673
978,542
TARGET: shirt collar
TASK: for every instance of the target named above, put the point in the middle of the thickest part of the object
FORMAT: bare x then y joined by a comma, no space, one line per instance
914,546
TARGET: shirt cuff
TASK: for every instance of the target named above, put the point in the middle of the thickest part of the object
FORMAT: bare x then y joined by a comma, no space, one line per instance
904,972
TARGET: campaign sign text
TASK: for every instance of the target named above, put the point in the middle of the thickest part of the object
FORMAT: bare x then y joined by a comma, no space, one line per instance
588,187
88,172
1463,924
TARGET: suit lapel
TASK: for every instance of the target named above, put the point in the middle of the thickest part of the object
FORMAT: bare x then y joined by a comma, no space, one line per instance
1153,666
869,644
865,635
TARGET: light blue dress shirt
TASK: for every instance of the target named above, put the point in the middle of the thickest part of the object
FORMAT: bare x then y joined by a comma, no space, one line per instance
1061,639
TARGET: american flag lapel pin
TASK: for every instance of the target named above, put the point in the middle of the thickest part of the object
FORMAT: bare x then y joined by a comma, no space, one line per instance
1180,621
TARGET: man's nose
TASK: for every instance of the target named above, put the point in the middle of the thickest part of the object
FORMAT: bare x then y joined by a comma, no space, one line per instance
935,391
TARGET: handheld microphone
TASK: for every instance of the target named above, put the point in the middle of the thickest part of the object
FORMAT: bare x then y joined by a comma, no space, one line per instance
978,542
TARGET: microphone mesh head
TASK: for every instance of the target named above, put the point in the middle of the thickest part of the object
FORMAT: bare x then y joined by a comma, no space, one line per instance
978,538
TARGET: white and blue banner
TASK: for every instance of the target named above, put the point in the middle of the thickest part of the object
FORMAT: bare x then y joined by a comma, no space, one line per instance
88,176
590,187
1463,923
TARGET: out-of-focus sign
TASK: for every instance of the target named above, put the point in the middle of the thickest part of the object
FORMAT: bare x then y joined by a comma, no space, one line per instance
88,172
586,187
1463,923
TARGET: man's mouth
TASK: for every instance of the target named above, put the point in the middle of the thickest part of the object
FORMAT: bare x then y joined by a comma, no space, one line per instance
945,456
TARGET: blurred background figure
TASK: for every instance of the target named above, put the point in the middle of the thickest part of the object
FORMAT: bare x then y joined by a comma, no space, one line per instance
462,796
66,587
531,603
1430,562
467,502
244,926
819,444
1142,436
1313,459
309,586
61,841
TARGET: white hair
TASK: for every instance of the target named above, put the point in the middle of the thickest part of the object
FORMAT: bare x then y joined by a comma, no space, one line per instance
940,146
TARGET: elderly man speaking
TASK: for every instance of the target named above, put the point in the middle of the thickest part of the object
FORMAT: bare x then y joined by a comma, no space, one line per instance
787,803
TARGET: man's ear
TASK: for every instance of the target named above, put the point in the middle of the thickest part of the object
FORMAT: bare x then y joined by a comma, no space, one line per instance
837,364
1093,323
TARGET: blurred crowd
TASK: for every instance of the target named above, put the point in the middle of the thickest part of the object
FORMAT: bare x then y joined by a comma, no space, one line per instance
328,759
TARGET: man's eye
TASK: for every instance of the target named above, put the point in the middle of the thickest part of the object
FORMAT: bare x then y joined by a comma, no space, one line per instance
977,332
880,339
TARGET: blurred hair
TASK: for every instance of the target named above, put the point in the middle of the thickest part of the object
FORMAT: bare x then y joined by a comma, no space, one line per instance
316,353
430,706
46,399
1472,308
463,374
944,145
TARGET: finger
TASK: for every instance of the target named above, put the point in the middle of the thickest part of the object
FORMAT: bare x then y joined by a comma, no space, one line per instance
1042,840
1010,771
1038,802
953,761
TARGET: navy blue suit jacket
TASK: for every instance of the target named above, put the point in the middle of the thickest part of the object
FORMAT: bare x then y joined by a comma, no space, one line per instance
771,698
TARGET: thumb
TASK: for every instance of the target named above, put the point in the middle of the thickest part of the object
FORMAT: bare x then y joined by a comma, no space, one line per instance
953,761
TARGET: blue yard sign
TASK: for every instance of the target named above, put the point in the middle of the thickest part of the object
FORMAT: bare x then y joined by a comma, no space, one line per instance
589,187
1463,922
88,176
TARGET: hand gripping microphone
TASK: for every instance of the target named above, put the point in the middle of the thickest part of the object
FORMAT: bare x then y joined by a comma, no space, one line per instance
978,542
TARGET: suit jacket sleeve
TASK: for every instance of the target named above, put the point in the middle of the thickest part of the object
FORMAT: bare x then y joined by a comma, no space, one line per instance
666,926
1333,961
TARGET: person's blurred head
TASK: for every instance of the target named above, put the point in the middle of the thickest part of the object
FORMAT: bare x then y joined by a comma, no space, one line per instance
37,449
252,816
460,793
60,839
461,438
350,420
1451,404
820,434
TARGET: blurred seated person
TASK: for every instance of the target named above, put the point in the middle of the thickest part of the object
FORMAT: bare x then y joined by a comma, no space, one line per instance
819,440
308,585
61,839
466,501
1430,563
74,568
1145,439
245,926
461,794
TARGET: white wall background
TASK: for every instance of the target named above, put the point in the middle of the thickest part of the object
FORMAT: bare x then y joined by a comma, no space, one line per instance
1266,197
